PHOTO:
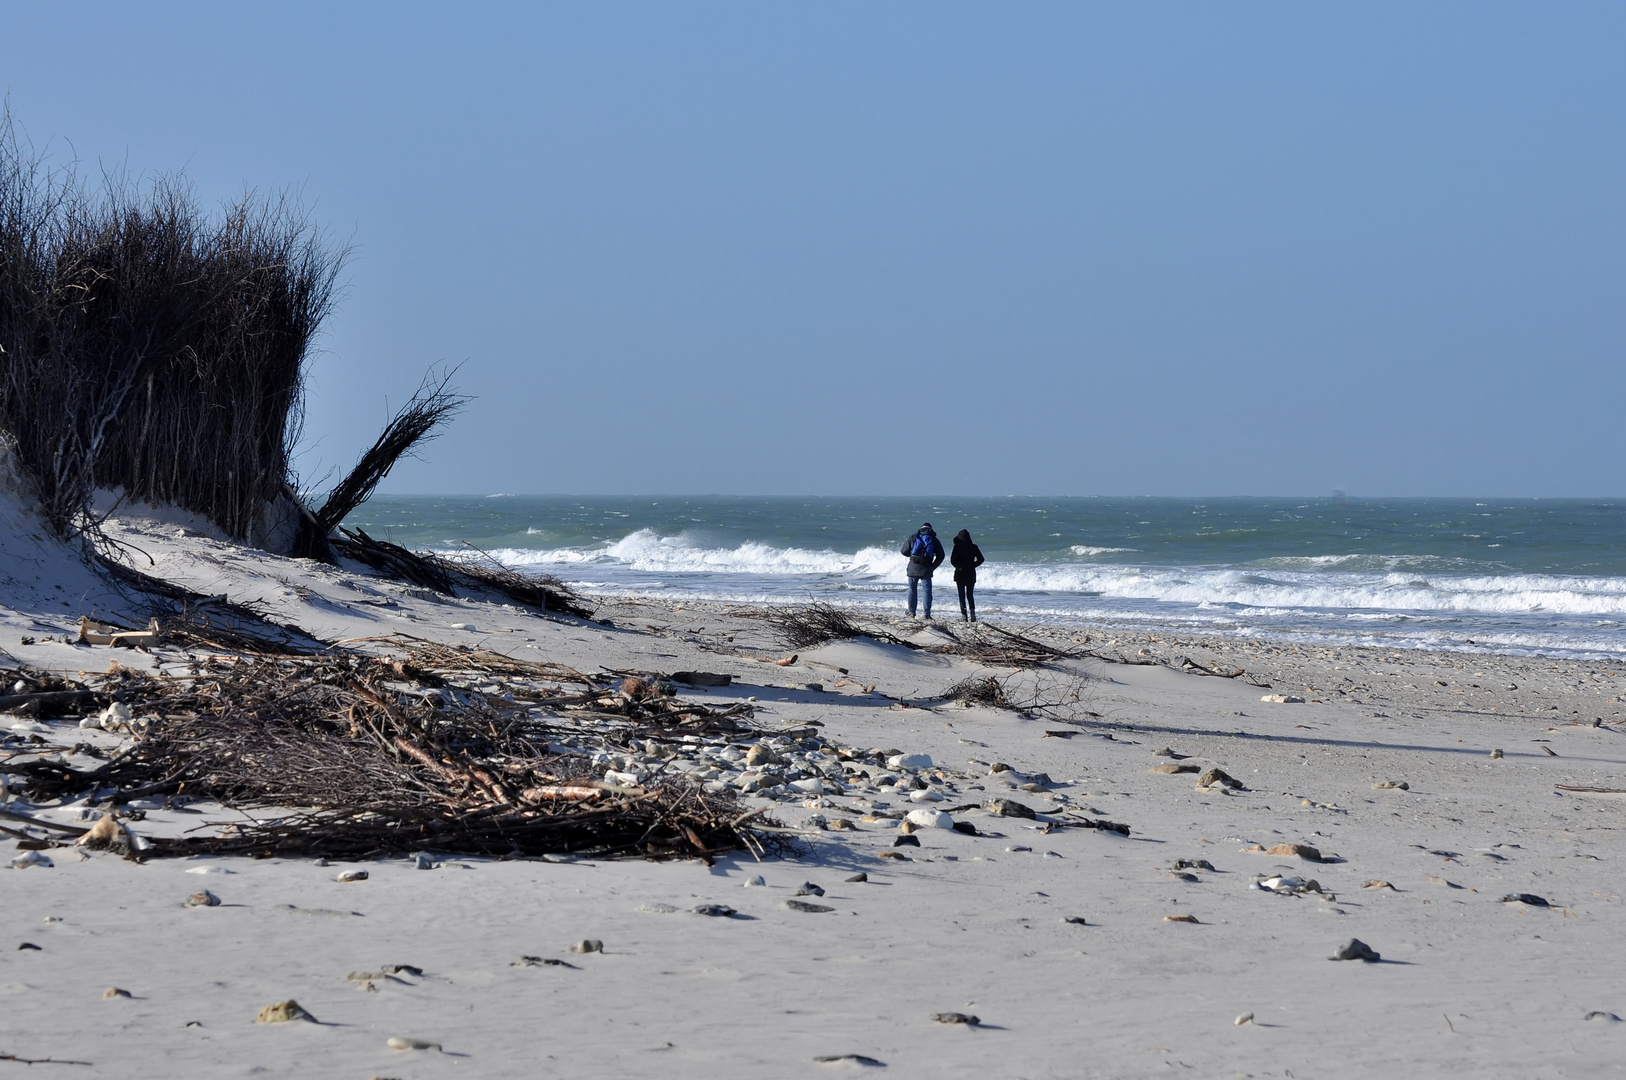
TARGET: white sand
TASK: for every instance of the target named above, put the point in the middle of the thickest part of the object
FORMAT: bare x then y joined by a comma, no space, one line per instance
1468,985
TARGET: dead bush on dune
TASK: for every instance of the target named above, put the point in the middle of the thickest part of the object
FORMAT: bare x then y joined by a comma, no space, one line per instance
148,346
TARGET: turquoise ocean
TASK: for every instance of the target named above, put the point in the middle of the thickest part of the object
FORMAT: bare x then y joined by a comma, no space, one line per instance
1506,575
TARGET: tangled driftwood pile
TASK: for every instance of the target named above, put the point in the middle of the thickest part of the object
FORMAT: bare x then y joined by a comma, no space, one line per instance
352,755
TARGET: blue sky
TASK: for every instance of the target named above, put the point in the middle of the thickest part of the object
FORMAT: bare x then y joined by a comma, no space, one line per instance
919,248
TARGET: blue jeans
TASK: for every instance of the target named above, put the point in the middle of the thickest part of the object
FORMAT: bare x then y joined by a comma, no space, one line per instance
925,584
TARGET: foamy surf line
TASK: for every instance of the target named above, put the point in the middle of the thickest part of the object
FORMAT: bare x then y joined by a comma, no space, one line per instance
1395,601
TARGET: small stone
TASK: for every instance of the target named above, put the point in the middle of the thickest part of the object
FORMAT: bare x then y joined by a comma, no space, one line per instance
1245,1018
1180,876
352,875
1496,754
929,819
956,1018
1525,898
803,905
1170,770
1180,918
1599,1014
1217,777
366,986
1192,864
755,883
855,1059
114,992
1377,885
1303,851
1391,785
283,1012
909,761
588,945
423,861
30,858
29,946
1355,949
965,828
857,878
1076,920
1009,808
1166,752
1283,699
203,899
906,841
809,889
658,909
411,1044
716,911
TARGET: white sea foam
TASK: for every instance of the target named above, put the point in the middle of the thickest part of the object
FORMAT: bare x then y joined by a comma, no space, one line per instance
1335,584
1084,550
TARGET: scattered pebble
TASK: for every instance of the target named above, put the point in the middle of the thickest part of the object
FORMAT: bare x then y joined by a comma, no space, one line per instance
803,905
1599,1014
1245,1018
210,870
956,1018
755,883
29,946
1192,864
352,875
114,992
1283,699
1180,918
856,878
1303,851
1009,808
1377,885
809,889
1167,752
853,1059
1171,770
1076,920
906,841
543,961
398,1043
1018,847
1217,777
588,945
1355,949
1496,753
716,911
1525,898
423,861
203,899
30,858
658,909
1386,785
929,819
283,1012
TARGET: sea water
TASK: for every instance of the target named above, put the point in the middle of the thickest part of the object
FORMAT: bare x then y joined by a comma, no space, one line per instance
1508,575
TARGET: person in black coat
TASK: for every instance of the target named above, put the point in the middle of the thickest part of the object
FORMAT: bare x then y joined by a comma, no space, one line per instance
965,559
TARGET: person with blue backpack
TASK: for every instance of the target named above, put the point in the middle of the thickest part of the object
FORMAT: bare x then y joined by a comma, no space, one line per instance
926,554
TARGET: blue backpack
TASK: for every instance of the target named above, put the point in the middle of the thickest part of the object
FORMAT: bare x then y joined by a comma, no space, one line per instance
922,548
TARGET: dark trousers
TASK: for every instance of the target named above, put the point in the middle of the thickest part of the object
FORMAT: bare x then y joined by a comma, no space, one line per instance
968,599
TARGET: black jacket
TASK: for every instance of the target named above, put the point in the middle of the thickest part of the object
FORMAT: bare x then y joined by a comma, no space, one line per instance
922,567
965,559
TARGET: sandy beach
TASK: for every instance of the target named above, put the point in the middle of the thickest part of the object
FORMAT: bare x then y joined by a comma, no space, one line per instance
1186,947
